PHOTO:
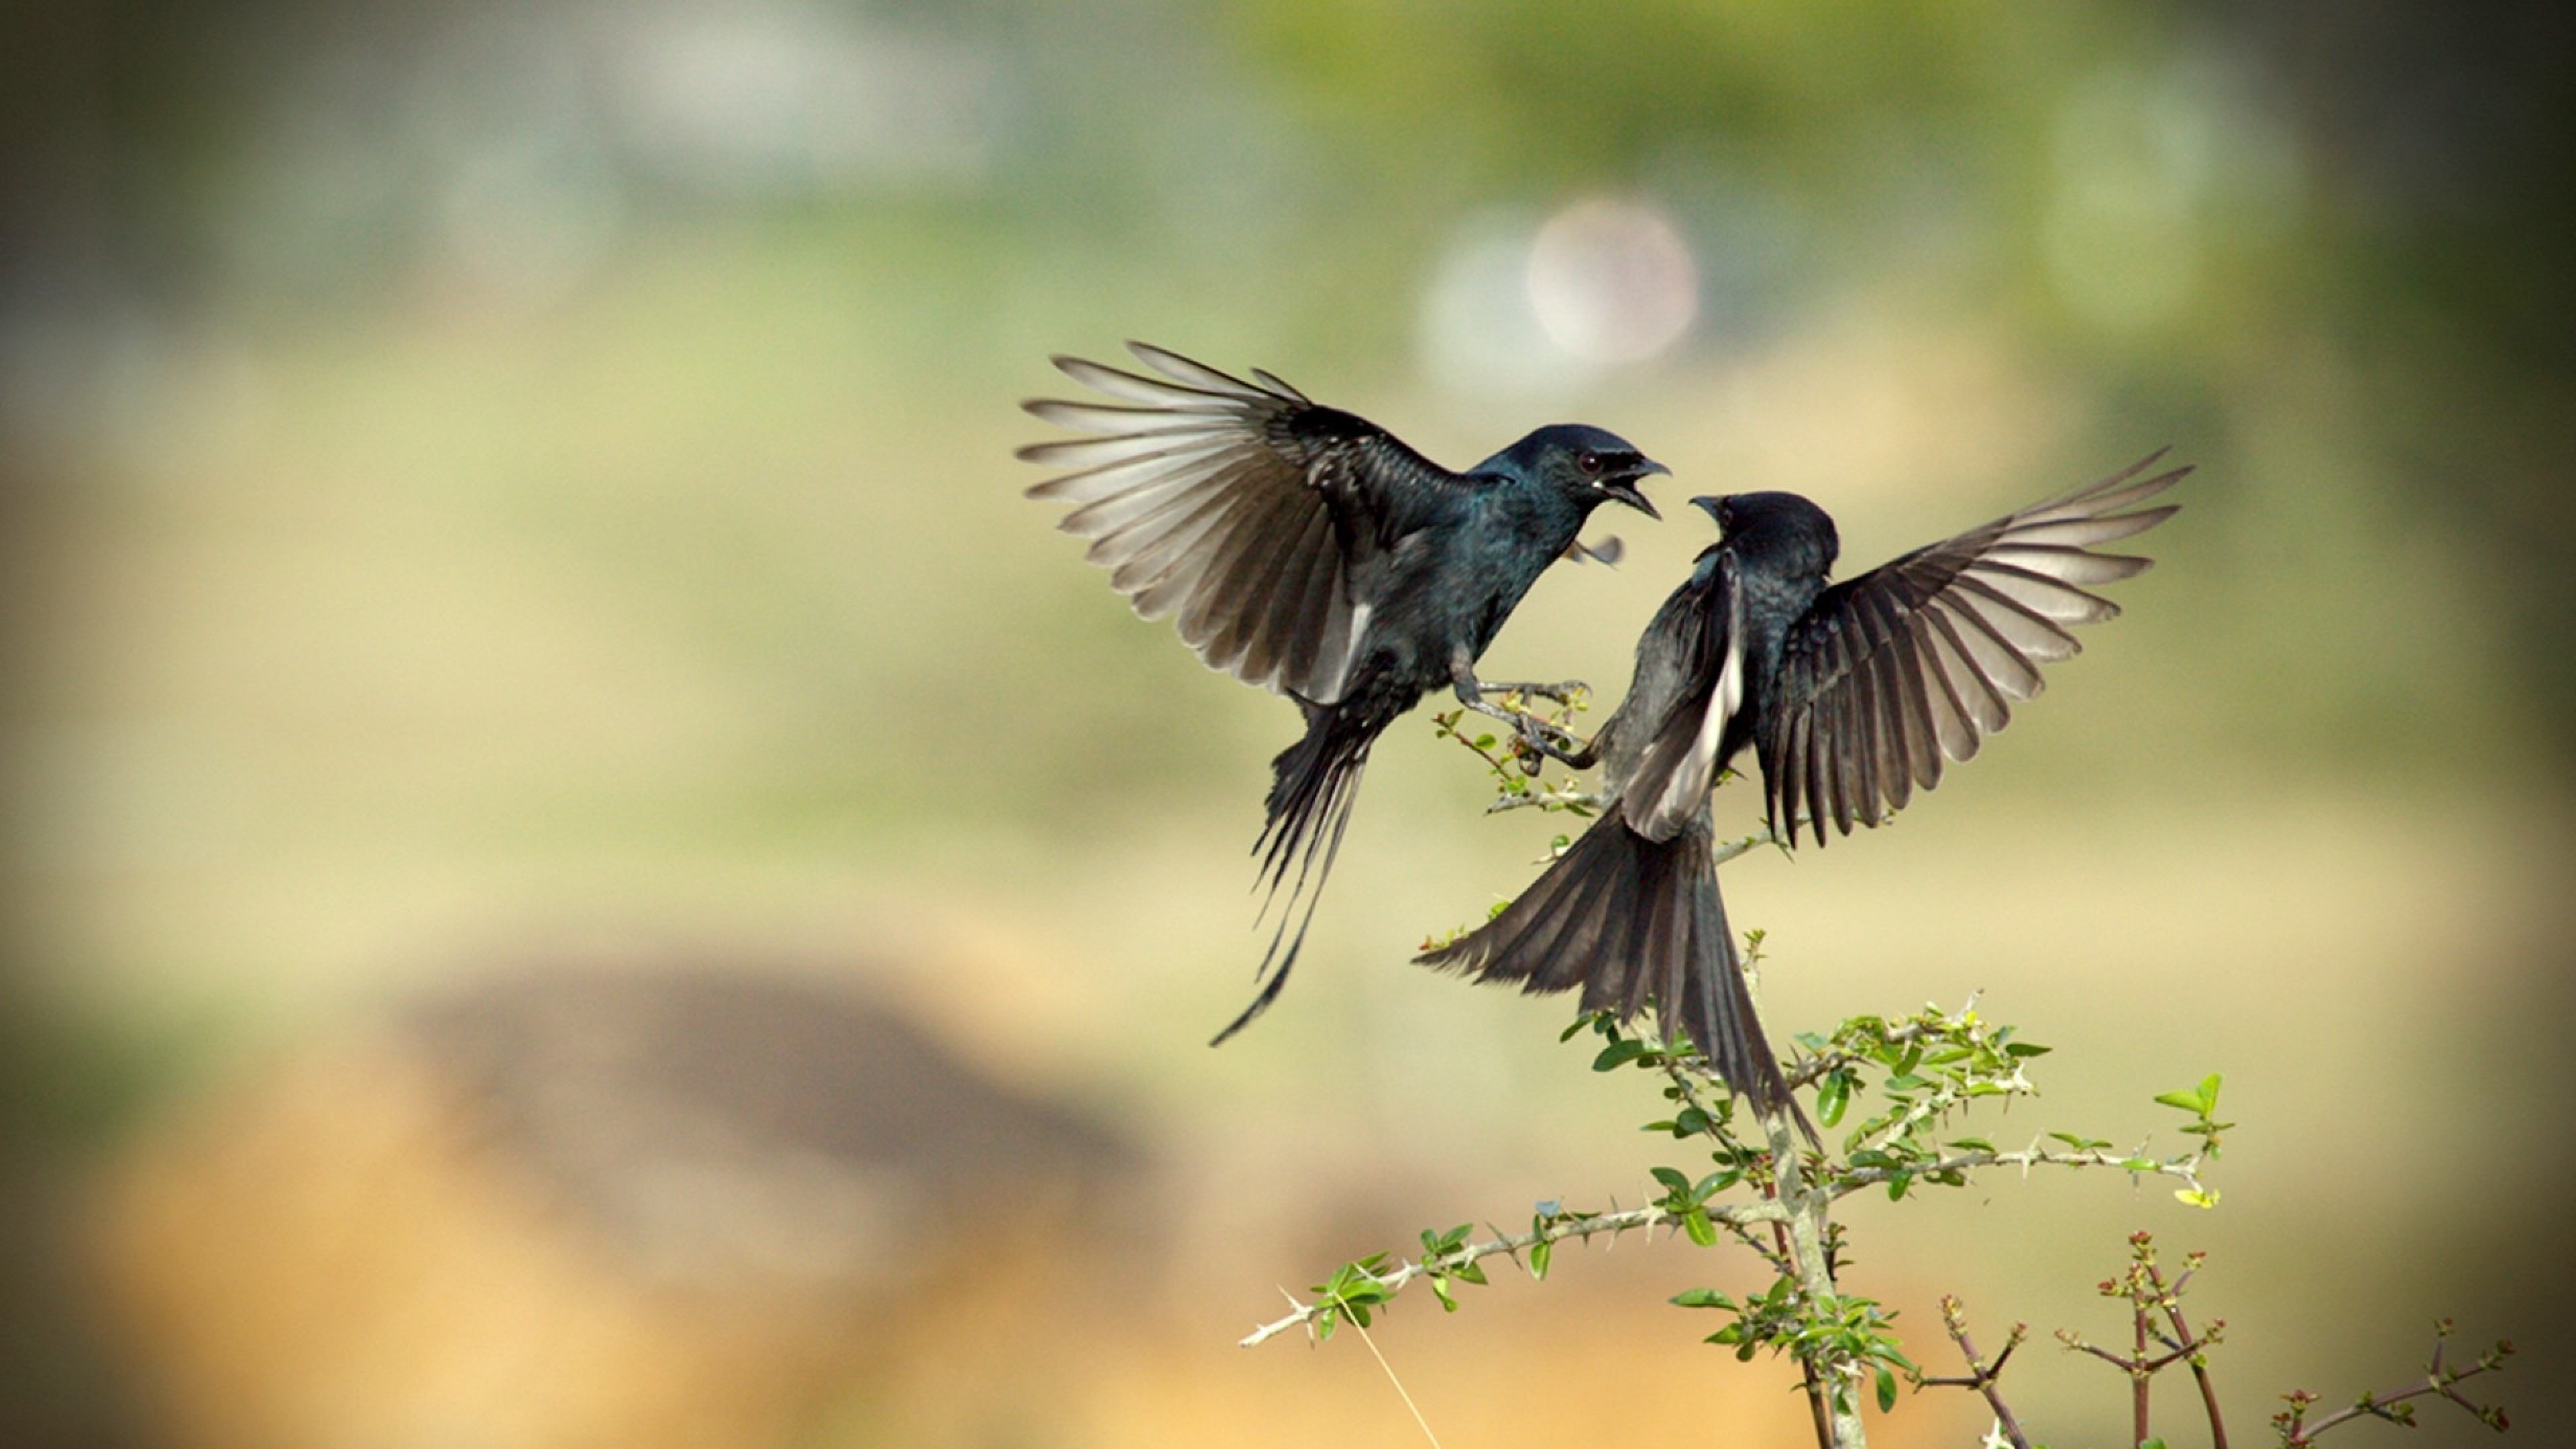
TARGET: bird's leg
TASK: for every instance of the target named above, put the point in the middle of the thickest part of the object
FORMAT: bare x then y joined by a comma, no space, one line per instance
1547,739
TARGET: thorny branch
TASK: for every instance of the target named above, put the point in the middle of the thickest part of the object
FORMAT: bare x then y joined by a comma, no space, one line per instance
1839,1405
1557,1227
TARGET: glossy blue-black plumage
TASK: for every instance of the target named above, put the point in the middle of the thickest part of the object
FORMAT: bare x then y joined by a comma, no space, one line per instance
1853,695
1302,548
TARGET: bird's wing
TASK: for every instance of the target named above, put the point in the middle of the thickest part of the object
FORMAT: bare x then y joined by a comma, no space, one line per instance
1242,508
1671,782
1913,663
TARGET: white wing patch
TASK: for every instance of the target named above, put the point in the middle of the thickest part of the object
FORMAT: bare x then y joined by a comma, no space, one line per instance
1345,635
1688,785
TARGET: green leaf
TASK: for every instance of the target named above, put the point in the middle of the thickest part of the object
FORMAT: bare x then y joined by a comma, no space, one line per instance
1701,1230
1702,1298
2081,1144
2196,1197
1673,1180
1619,1053
1539,1254
1833,1095
2200,1100
2025,1049
1887,1392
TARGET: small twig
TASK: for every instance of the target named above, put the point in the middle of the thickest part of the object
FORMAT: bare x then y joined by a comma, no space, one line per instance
1560,796
1720,855
2170,1297
1982,1377
2439,1379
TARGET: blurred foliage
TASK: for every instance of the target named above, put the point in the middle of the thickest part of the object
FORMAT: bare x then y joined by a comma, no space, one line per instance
467,465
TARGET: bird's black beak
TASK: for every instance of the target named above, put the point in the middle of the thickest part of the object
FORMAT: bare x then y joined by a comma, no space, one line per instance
1624,488
1711,504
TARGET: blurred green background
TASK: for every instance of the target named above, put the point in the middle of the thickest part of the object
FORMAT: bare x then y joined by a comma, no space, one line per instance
497,494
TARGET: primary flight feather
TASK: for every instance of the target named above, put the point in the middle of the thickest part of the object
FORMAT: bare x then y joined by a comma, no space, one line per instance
1304,549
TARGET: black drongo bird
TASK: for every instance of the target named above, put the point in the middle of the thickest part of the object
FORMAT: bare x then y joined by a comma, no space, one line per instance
1306,550
1852,695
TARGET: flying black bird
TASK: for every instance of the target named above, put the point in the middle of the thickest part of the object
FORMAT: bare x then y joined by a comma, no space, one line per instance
1306,550
1852,695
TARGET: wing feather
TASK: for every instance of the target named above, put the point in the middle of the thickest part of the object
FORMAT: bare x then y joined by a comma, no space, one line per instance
1907,667
1238,508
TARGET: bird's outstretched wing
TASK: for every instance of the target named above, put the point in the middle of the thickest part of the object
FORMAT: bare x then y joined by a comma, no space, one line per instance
1915,662
1244,509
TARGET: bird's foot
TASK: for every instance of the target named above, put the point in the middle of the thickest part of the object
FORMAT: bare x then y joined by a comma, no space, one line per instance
1538,737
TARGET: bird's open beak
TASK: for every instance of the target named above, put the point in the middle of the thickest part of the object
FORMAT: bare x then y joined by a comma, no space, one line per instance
1625,489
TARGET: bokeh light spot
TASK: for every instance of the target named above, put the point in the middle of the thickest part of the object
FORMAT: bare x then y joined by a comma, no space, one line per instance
1612,281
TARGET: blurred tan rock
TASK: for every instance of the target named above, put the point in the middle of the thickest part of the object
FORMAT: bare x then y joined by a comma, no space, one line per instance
580,1208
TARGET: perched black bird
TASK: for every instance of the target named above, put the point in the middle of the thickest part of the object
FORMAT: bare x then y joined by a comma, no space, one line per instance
1306,550
1852,696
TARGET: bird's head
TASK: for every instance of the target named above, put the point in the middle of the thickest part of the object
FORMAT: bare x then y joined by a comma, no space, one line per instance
1587,465
1781,528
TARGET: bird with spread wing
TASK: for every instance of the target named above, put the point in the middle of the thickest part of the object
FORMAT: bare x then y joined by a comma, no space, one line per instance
1852,696
1303,549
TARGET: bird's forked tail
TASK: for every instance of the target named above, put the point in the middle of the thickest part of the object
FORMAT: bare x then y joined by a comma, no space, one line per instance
1630,920
1312,783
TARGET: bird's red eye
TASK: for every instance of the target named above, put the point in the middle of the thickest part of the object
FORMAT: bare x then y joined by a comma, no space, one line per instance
1589,462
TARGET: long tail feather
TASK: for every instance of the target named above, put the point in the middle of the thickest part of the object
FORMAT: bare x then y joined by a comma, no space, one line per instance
1313,783
1628,919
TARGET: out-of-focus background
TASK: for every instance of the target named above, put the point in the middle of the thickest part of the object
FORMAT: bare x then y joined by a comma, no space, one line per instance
581,869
